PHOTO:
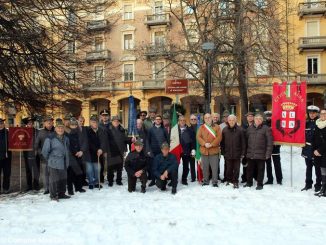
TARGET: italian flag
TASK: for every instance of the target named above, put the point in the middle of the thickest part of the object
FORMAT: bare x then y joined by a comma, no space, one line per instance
175,146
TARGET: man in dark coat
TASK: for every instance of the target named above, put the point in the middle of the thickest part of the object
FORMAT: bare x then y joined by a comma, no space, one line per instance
250,121
165,168
319,150
83,146
186,136
75,172
32,160
97,138
233,146
155,137
41,136
141,134
118,141
136,165
276,156
5,158
105,124
307,150
259,149
193,127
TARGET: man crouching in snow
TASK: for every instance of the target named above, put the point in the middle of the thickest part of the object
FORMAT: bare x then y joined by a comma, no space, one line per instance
165,168
56,152
136,165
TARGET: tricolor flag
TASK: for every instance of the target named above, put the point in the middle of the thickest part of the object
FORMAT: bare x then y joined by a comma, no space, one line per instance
175,146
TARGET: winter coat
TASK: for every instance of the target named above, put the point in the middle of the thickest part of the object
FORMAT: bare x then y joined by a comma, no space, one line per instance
56,151
233,144
307,150
259,142
4,142
187,141
203,136
118,141
156,136
136,161
143,135
40,138
319,141
162,163
74,147
97,140
148,124
83,141
31,155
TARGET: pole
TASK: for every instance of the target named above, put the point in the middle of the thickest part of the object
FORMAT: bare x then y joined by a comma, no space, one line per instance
209,76
20,171
291,165
98,172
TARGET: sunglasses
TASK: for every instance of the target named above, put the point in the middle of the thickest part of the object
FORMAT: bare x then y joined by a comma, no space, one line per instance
143,115
193,119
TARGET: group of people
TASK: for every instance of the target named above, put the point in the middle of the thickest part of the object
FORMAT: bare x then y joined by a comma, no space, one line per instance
74,156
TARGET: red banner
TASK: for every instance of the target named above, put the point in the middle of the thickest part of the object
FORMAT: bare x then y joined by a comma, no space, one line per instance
289,113
20,139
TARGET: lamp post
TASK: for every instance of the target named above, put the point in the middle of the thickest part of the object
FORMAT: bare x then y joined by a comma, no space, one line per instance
208,80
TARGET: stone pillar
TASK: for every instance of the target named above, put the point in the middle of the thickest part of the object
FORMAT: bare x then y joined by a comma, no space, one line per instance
144,105
213,105
114,107
86,111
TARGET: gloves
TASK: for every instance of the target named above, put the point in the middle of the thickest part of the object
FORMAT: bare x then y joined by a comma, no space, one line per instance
193,153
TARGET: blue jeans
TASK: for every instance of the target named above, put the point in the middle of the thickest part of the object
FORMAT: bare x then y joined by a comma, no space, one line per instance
92,171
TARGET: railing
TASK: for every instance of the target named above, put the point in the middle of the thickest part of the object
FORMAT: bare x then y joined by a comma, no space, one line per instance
157,50
158,19
310,8
95,25
313,78
98,55
312,42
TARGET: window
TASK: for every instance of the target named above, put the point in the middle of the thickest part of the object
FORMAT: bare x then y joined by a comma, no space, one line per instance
261,67
312,63
98,44
127,12
159,38
71,46
189,9
128,42
192,70
158,70
128,71
158,7
36,79
99,74
224,8
71,75
72,18
312,28
261,4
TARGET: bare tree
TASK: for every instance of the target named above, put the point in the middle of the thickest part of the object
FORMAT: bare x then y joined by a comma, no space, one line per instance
37,49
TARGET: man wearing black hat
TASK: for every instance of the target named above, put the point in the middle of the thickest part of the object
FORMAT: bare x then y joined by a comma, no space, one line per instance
276,156
136,165
165,167
250,121
118,141
5,158
75,172
104,124
66,122
307,150
39,142
32,160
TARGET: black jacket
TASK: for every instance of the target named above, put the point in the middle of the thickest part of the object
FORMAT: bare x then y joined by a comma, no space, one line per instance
233,144
136,161
307,150
155,137
4,142
97,140
259,142
187,140
319,144
118,141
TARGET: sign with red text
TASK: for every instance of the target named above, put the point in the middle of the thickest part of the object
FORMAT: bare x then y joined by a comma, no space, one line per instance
20,139
176,86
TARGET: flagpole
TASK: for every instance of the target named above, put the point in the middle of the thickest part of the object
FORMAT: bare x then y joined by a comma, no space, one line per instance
20,170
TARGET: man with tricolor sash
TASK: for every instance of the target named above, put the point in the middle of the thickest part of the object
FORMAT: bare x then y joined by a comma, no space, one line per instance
209,137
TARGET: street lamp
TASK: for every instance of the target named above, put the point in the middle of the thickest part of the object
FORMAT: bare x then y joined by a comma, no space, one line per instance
208,87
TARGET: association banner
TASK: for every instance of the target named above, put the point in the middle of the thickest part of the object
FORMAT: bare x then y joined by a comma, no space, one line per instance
132,118
20,139
289,113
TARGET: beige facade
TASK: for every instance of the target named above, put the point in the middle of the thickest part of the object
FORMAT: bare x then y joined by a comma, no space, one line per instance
129,51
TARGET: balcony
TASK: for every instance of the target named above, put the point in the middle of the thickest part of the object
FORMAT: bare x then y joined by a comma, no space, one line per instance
102,55
97,25
313,78
306,43
158,19
312,8
157,50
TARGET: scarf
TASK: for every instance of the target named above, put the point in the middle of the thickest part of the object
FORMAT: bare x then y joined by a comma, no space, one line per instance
320,124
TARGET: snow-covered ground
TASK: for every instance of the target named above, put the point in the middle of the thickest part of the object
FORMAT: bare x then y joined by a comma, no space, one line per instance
196,215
